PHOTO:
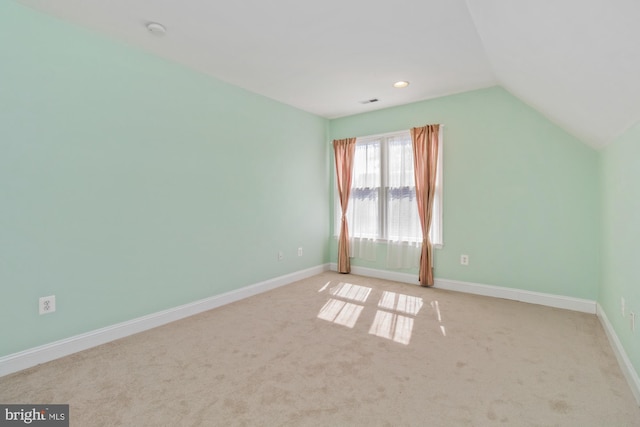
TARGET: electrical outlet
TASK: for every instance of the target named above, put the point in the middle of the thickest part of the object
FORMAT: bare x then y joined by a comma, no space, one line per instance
300,251
622,306
47,304
464,259
280,255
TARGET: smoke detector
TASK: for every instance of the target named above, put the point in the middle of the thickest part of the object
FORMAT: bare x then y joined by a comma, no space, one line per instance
156,29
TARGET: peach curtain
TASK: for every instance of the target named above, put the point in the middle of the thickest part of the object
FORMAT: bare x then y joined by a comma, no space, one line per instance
425,158
344,150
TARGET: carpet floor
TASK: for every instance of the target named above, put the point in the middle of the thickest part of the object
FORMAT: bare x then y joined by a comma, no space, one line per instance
346,350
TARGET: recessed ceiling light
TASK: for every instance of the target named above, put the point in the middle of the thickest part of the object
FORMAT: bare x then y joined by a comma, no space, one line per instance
401,84
156,29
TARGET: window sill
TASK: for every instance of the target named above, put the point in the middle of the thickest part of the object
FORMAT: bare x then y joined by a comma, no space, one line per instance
435,246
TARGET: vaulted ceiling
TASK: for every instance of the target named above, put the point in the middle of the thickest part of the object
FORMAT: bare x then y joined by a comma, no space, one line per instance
575,61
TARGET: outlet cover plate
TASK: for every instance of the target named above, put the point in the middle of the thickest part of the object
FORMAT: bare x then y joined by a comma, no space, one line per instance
47,304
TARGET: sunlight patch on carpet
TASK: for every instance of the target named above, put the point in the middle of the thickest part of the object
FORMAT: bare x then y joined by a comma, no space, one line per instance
436,307
350,291
400,302
340,312
326,285
392,327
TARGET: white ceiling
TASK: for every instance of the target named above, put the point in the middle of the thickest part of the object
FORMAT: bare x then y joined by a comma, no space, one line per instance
575,61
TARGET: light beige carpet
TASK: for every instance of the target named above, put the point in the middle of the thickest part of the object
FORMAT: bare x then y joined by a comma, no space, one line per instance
344,350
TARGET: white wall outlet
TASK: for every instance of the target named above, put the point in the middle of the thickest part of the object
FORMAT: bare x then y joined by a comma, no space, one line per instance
464,259
47,304
280,255
632,321
622,306
300,251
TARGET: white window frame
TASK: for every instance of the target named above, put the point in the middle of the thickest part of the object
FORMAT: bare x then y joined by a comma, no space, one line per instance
436,230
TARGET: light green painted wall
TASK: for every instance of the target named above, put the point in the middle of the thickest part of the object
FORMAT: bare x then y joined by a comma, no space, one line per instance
129,184
621,237
520,194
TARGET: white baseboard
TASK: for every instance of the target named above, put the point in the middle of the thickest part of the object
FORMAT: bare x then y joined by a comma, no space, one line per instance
550,300
623,360
45,353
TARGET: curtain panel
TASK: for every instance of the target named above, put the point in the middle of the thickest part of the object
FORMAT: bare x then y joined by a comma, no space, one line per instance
425,157
344,150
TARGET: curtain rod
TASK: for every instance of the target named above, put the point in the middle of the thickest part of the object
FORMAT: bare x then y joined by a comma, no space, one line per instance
386,133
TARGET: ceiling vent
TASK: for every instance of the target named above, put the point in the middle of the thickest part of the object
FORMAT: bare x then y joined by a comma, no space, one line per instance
369,101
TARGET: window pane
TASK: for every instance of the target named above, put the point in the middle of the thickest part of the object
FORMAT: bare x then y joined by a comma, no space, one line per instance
402,215
366,166
363,213
400,161
403,223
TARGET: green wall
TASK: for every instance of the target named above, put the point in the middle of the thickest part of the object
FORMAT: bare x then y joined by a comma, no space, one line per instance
520,194
129,184
621,237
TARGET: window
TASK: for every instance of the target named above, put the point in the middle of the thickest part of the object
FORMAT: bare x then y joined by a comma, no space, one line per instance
382,204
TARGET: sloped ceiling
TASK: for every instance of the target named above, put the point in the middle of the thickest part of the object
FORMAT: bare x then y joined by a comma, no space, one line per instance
577,62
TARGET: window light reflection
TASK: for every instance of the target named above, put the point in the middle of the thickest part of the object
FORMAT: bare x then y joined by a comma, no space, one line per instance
392,326
326,285
340,312
351,291
405,303
436,307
